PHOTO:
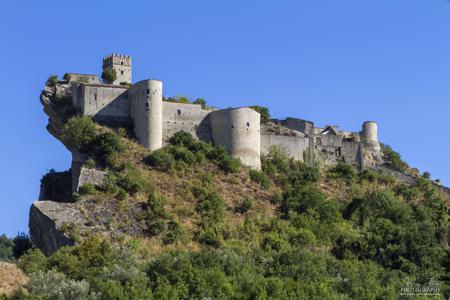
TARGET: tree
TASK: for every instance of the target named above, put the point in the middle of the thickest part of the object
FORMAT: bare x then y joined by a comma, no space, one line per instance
109,75
263,111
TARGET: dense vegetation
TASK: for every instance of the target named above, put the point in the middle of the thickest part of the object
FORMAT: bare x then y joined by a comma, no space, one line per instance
12,249
330,233
109,75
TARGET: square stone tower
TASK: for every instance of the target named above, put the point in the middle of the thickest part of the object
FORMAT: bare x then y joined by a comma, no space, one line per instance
121,64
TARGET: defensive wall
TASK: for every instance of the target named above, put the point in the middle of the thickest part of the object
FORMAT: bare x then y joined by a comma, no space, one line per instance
237,129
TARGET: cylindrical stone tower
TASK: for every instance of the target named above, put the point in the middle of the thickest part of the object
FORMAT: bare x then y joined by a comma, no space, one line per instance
146,112
238,130
370,132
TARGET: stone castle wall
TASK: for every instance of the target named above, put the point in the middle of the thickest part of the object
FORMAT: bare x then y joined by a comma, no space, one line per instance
238,130
295,146
101,100
185,117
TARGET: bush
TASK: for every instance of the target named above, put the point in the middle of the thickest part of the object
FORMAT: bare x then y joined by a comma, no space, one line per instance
261,178
67,77
263,111
79,133
394,158
106,147
52,80
182,139
368,175
245,205
426,175
275,162
343,171
87,189
161,159
6,248
132,181
22,244
109,75
55,285
200,101
229,165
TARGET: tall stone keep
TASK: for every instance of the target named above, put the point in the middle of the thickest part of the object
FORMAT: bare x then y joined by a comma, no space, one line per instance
121,64
146,111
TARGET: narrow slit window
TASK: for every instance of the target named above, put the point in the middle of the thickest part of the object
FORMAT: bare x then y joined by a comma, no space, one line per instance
248,124
95,96
121,72
179,112
146,106
148,91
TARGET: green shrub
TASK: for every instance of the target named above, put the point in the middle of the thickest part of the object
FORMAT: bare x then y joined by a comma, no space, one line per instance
426,175
263,111
160,159
229,165
67,77
55,285
125,83
79,133
261,178
200,101
182,99
33,261
301,173
181,154
6,248
90,164
245,205
22,244
368,175
121,195
393,158
343,171
106,147
406,191
87,189
109,75
132,181
275,162
182,139
52,80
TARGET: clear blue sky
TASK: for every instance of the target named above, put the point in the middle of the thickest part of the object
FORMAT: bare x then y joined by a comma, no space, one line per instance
332,62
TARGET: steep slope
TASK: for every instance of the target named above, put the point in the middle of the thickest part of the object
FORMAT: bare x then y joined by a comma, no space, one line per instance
188,221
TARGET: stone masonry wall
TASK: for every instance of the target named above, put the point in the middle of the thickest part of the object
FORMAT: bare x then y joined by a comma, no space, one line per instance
293,145
185,117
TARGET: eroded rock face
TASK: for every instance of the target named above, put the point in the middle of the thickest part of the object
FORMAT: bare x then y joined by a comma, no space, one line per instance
47,220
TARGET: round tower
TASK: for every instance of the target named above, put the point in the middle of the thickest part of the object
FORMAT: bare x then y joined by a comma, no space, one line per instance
146,112
370,132
238,130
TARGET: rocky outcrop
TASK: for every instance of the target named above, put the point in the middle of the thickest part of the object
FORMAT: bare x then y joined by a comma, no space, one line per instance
48,222
57,103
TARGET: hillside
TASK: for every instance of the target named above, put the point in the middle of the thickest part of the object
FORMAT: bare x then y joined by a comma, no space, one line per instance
189,222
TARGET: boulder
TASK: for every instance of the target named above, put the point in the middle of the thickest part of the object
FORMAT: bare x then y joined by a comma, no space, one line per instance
48,222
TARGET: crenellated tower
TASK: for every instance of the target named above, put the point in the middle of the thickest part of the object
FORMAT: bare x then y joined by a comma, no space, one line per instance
121,64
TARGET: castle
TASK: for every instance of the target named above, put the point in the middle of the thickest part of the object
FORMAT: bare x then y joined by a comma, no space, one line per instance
239,130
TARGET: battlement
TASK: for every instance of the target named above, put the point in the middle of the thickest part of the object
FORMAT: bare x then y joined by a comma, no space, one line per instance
116,59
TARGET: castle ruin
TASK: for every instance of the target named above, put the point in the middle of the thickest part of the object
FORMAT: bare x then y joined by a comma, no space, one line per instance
239,130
